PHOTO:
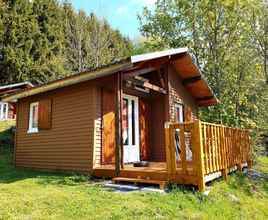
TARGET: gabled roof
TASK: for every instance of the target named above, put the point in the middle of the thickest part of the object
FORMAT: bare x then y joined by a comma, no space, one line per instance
180,58
156,55
12,88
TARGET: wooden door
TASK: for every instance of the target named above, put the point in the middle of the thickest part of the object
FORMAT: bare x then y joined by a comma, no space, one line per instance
108,127
144,119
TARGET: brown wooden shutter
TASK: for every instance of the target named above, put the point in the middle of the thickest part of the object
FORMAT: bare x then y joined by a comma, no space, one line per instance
187,113
144,119
108,127
44,114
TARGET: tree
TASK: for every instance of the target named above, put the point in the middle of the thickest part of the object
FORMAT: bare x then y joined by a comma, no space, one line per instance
258,20
219,34
20,28
48,46
43,40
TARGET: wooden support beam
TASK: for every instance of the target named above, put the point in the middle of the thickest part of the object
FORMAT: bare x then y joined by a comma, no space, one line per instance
161,78
204,98
198,146
118,125
154,87
143,91
191,80
224,173
170,152
146,85
121,123
141,79
138,72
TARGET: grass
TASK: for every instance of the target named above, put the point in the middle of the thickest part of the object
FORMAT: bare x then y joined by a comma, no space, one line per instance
27,194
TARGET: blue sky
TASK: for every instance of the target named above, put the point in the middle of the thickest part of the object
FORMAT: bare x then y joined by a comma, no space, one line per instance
121,14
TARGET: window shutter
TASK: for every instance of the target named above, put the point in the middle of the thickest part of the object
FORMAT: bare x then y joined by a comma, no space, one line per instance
187,113
44,114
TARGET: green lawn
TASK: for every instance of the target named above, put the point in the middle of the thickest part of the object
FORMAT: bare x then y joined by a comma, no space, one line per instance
27,194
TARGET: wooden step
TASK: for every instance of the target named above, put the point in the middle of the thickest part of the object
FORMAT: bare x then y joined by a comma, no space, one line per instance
162,184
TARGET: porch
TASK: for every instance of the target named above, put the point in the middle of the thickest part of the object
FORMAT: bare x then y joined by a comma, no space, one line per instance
196,153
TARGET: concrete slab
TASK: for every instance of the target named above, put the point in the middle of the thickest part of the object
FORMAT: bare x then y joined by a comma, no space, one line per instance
127,188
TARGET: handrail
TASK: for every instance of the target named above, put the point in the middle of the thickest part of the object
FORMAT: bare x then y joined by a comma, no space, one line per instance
213,147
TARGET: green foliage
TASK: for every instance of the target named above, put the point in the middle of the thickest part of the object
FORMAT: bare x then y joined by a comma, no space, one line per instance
228,38
43,40
7,129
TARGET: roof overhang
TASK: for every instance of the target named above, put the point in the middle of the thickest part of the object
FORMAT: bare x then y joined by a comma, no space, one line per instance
156,55
193,80
10,86
180,58
188,71
71,80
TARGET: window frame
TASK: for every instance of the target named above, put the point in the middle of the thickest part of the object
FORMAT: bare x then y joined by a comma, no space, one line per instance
2,115
32,129
179,105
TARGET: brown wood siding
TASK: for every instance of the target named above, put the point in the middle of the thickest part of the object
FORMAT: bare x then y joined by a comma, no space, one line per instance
68,145
178,94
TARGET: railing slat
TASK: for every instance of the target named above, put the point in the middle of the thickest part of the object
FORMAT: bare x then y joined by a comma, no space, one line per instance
213,148
183,149
209,148
206,153
219,147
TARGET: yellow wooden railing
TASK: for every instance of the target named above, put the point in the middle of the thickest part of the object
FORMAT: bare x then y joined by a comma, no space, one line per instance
197,149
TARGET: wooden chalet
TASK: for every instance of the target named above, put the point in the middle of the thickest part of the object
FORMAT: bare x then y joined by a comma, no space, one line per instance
135,120
8,110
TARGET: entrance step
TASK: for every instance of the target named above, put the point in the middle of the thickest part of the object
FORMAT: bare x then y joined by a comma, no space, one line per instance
162,184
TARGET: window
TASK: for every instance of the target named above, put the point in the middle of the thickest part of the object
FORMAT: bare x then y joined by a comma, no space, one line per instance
3,110
33,118
179,112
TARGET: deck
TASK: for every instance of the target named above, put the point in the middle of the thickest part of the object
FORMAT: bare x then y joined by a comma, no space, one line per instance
215,151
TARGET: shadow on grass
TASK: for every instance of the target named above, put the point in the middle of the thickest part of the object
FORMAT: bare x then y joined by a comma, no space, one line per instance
10,174
241,181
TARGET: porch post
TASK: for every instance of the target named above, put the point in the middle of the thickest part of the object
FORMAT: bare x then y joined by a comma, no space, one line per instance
118,125
198,150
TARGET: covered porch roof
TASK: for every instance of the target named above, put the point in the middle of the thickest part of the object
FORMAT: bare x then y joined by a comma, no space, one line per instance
186,68
179,58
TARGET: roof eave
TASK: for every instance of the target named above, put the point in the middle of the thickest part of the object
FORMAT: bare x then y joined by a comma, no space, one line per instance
82,77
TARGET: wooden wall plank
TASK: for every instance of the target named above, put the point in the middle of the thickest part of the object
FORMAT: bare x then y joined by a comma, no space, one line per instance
72,131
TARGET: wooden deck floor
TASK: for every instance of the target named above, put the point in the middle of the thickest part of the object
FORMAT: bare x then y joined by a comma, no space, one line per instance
155,171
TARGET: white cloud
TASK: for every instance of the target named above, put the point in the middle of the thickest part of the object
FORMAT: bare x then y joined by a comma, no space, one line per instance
145,2
122,10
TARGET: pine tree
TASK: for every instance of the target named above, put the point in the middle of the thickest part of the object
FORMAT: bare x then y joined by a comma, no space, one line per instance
43,40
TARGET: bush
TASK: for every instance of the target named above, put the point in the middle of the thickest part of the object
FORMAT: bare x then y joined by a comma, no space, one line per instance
7,134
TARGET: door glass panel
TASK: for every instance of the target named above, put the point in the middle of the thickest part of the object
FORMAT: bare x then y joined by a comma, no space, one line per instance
133,121
125,122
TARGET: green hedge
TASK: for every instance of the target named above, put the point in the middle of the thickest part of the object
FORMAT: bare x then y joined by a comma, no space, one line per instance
6,133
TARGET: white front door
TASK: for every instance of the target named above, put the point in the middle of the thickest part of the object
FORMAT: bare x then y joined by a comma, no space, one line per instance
130,126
